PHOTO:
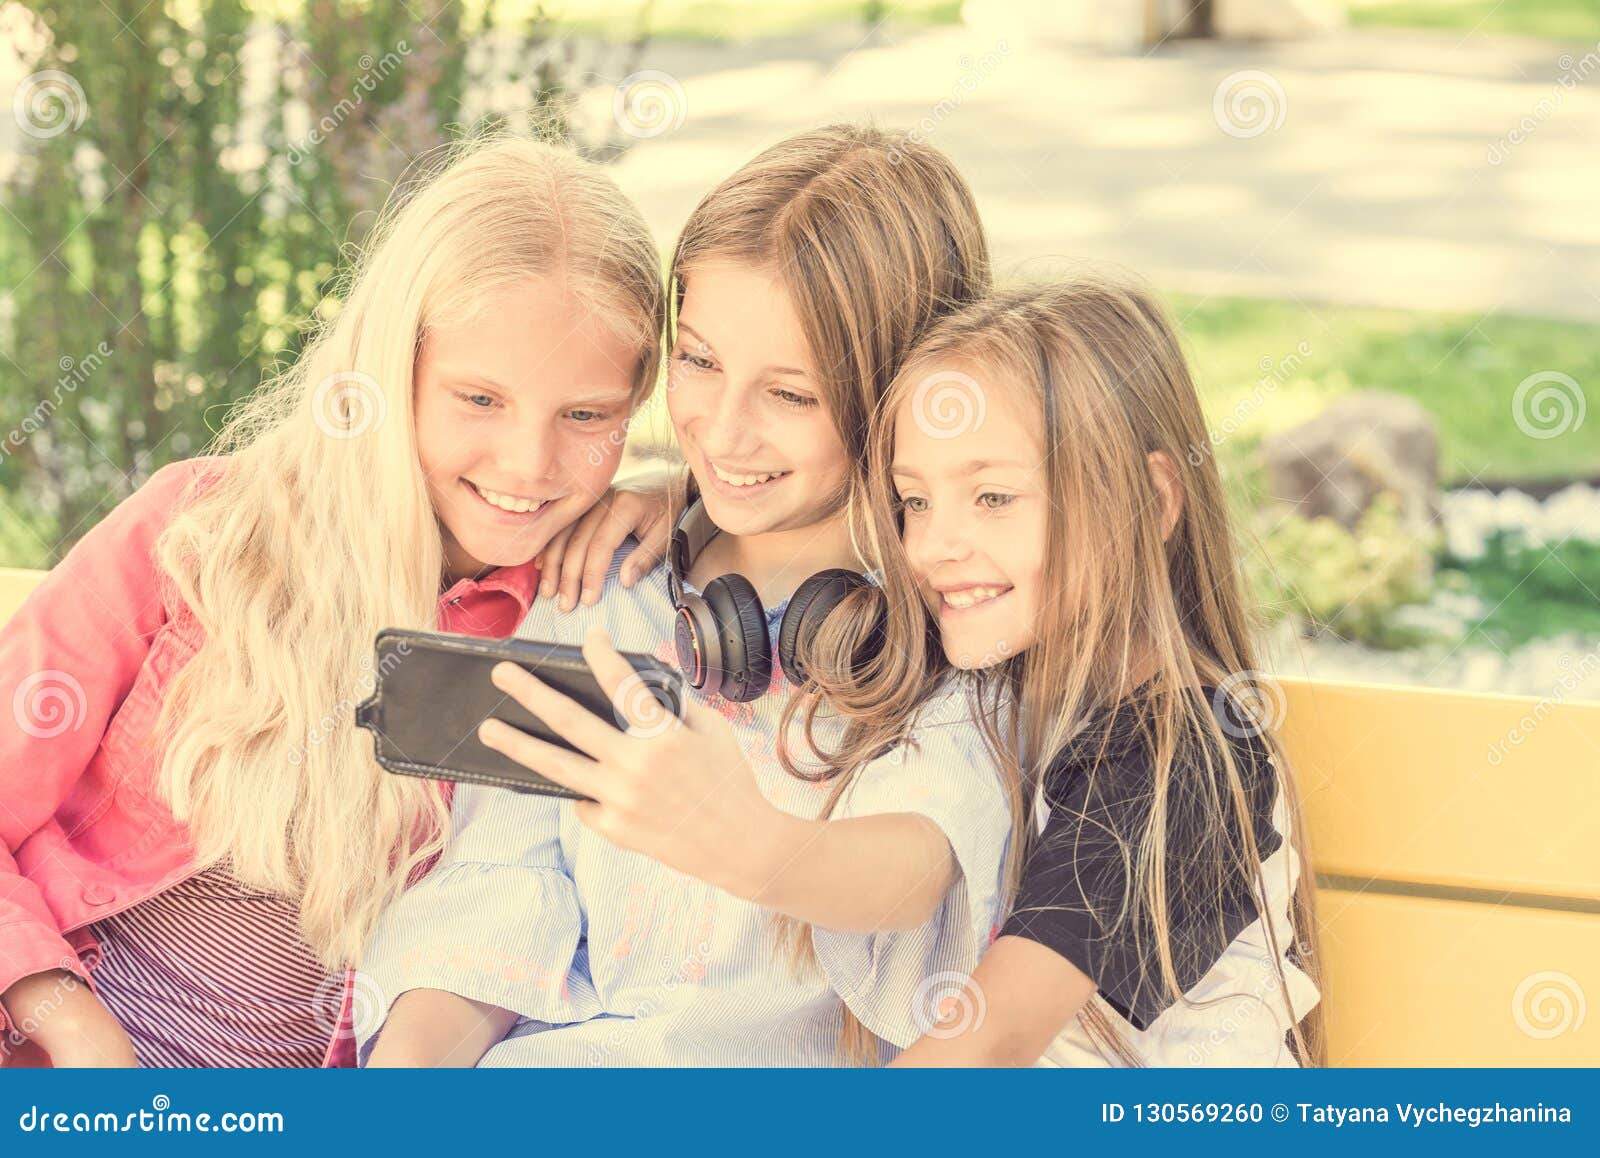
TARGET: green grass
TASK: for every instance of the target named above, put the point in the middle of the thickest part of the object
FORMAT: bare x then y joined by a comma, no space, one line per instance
727,19
1533,592
1557,19
1462,368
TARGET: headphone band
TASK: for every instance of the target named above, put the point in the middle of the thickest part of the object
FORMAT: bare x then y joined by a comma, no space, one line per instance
693,531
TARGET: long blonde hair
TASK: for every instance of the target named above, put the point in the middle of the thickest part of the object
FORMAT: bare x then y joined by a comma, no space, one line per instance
874,237
1151,620
319,532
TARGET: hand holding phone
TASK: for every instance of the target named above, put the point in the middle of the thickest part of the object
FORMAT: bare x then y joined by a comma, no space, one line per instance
434,691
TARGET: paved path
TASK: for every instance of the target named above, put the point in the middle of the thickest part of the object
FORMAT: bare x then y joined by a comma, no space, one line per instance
1390,180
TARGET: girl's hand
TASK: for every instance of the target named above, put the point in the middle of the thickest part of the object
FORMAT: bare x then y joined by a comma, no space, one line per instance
575,561
68,1021
677,790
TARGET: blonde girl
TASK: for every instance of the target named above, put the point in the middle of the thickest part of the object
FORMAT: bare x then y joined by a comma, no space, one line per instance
543,937
196,839
1042,477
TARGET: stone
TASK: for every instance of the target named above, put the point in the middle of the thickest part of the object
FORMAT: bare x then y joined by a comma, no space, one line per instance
1367,443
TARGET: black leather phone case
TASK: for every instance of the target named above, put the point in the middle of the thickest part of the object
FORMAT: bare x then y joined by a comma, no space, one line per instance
433,690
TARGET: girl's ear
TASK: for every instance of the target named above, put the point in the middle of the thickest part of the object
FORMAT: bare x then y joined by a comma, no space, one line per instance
1164,474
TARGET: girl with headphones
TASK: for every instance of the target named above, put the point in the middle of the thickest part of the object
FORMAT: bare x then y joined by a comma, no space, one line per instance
811,886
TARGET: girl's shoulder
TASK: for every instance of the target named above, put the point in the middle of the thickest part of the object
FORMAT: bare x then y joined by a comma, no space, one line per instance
166,491
945,733
1104,780
1122,736
121,545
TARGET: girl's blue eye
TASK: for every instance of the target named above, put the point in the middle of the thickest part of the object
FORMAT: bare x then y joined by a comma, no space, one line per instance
790,398
586,415
915,505
478,401
999,500
695,360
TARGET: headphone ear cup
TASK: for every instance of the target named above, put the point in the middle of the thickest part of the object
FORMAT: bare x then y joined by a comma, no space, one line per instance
695,640
741,624
808,607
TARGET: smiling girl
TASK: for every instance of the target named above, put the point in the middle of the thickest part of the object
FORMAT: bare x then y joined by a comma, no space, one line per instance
1034,463
196,842
754,930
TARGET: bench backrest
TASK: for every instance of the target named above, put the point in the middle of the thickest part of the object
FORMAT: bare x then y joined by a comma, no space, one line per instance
1456,838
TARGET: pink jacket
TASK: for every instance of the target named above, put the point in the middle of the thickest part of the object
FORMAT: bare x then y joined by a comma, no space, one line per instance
82,667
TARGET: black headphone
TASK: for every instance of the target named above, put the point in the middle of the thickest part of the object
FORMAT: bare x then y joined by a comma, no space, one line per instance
721,634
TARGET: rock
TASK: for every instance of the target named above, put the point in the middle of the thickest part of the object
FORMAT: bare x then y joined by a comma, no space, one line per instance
1365,444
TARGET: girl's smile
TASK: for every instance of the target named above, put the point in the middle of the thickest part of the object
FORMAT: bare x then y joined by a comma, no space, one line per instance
743,484
969,599
511,509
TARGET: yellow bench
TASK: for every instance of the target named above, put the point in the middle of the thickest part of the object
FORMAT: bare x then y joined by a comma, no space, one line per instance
1457,841
1456,838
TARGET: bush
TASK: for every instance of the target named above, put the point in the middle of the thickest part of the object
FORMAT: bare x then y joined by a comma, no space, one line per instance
1348,582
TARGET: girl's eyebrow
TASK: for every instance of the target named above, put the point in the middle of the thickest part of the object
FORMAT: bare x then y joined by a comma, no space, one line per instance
453,374
977,464
973,466
705,345
472,377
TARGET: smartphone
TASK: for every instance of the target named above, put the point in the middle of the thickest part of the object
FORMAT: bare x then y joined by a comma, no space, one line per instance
433,690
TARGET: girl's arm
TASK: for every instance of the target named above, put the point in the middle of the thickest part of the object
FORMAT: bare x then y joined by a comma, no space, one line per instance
487,936
429,1027
57,1011
1021,995
860,875
69,656
682,793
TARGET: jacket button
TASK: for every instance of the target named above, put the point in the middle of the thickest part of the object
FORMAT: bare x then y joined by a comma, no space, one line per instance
98,895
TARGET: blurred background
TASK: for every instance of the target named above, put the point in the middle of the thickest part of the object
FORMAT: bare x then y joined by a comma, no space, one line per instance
1377,221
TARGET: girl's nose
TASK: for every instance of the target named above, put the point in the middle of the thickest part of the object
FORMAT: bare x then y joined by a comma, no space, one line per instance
939,539
529,453
728,430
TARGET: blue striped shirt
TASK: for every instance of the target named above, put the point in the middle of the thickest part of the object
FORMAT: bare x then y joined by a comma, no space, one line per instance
609,958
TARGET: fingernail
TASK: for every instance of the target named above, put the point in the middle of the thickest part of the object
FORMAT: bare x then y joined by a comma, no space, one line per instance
488,730
589,597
